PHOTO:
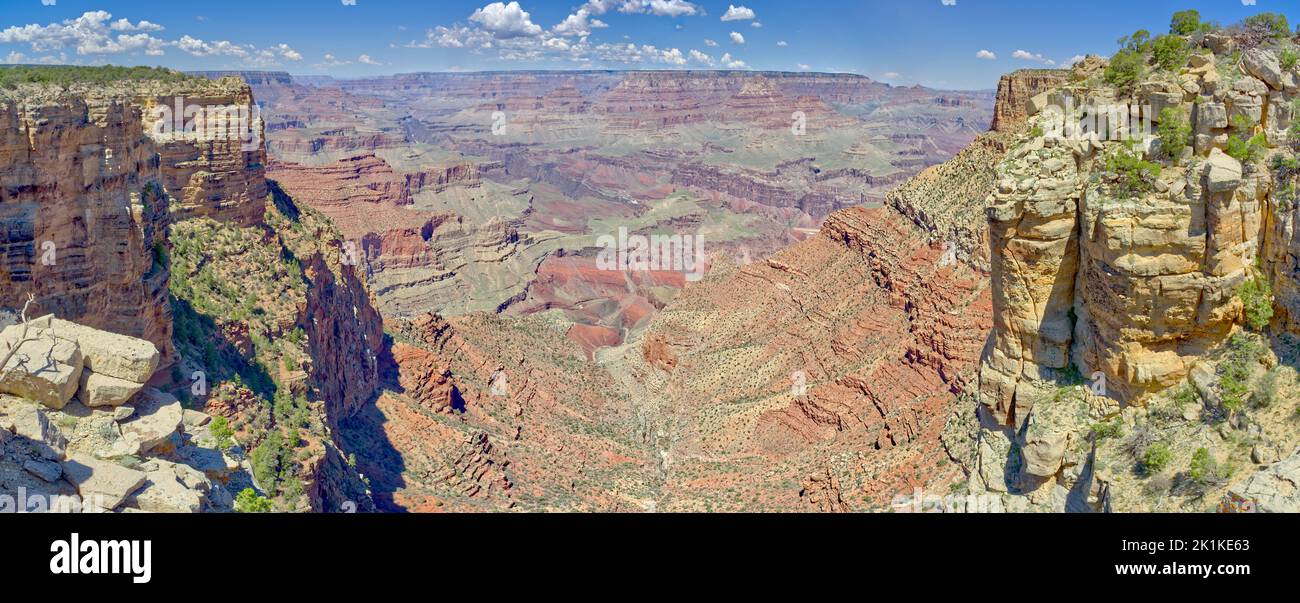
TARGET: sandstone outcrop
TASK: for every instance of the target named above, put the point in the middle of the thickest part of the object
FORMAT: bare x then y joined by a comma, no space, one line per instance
90,190
56,360
1017,89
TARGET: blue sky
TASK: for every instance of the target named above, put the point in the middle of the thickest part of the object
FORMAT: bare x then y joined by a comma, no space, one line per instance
935,43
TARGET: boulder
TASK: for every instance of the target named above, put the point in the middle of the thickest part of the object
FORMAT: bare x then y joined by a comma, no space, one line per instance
99,390
1220,42
1263,64
1222,172
1047,436
1274,490
101,483
46,368
111,354
171,488
1038,103
157,418
46,470
34,424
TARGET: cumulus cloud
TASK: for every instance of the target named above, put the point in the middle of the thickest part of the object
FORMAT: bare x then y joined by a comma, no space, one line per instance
1032,56
509,31
701,58
366,60
710,43
660,8
506,21
738,13
731,63
736,38
986,55
782,43
95,33
578,24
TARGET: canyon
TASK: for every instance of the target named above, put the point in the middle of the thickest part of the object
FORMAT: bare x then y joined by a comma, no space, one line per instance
396,300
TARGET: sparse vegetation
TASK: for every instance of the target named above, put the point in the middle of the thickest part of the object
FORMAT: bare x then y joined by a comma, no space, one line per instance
1204,470
1156,457
1188,22
222,432
1288,58
64,75
1170,52
1174,130
1108,429
1256,295
1264,26
1124,70
1136,176
249,502
1234,371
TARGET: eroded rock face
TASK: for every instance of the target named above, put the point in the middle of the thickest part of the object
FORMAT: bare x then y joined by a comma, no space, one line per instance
87,196
1130,287
1015,91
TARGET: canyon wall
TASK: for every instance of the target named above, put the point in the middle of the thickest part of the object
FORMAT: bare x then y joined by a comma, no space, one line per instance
1014,91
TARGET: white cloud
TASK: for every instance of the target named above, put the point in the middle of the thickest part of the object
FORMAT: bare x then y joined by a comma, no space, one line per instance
736,38
986,55
331,61
710,43
1032,56
804,66
782,43
125,25
731,63
738,13
701,58
95,33
366,60
1075,60
578,24
506,21
660,8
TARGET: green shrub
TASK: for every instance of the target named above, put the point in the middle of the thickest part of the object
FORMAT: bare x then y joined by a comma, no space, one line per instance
266,460
249,502
1289,58
1136,176
1204,469
1234,371
1246,151
1266,390
1174,130
1124,70
1108,429
1186,22
1170,52
222,433
1186,395
1257,296
1267,25
1156,457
